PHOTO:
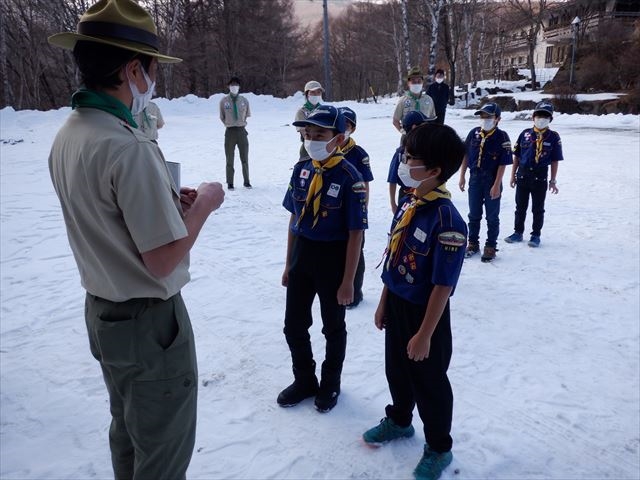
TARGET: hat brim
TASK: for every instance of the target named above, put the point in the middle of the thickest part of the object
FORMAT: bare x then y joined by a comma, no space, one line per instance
478,112
68,41
304,123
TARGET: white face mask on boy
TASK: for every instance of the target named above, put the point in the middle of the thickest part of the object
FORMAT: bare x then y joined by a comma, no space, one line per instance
404,173
317,149
234,89
141,100
314,99
541,123
415,88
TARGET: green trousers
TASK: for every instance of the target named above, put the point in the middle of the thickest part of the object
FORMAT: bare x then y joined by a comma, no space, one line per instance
147,353
237,136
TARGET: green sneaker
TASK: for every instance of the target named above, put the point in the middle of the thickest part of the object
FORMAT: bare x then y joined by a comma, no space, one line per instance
432,464
386,431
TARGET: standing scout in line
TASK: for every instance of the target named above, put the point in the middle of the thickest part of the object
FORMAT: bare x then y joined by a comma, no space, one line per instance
326,198
234,110
537,151
131,228
413,99
313,98
421,270
359,158
150,121
488,154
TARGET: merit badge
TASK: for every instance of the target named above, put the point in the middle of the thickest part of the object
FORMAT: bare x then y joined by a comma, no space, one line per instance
409,278
359,187
302,182
304,173
452,239
334,190
420,234
401,269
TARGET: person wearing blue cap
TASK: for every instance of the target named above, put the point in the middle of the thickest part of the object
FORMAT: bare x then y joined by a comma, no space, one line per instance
359,158
410,121
487,156
422,266
327,202
537,151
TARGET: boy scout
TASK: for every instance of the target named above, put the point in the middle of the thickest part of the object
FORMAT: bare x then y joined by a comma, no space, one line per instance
536,150
423,262
413,99
488,154
359,158
326,198
234,110
150,121
130,231
313,97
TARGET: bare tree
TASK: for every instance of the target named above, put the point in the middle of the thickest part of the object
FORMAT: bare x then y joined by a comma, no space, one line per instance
531,14
435,8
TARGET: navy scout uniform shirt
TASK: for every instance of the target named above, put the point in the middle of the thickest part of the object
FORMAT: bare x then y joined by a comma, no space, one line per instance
525,150
496,151
359,158
342,202
431,252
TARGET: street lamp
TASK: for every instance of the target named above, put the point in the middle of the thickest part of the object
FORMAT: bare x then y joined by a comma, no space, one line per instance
575,23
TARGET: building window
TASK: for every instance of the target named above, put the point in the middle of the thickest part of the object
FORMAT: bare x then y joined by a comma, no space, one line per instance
548,57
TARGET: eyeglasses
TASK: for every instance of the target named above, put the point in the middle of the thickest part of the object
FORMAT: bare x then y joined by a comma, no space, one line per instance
407,156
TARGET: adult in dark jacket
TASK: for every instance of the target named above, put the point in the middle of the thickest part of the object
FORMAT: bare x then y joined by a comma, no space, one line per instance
439,92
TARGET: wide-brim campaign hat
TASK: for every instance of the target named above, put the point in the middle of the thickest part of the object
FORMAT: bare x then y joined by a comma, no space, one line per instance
119,23
490,109
324,116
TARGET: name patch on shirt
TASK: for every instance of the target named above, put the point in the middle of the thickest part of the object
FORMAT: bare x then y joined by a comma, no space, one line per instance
420,235
452,239
334,190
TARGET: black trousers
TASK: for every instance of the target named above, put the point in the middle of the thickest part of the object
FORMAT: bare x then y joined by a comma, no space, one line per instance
423,383
534,186
316,268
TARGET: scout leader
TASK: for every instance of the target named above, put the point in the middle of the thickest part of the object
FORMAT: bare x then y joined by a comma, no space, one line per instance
326,198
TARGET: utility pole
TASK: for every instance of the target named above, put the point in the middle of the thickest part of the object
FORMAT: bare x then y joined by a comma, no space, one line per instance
574,29
327,64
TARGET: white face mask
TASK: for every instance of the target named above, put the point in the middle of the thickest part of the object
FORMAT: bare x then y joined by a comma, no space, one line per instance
141,100
439,79
347,134
314,99
415,88
404,172
487,124
317,149
234,89
541,123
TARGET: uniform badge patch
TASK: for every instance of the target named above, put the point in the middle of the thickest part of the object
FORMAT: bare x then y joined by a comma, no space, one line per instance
409,278
452,239
420,235
302,182
304,173
334,190
359,187
401,269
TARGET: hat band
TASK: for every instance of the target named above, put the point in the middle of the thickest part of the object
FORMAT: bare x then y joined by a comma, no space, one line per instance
122,32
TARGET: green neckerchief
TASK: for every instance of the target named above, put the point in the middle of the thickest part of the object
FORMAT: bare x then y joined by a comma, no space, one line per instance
234,98
92,99
416,98
310,106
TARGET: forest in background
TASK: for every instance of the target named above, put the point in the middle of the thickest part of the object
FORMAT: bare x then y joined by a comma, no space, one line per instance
372,45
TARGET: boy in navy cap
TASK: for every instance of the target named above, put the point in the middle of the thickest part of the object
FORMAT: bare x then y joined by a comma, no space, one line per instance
536,150
487,157
421,269
326,198
410,121
359,158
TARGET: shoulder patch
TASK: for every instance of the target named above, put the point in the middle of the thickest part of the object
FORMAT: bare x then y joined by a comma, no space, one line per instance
453,239
359,187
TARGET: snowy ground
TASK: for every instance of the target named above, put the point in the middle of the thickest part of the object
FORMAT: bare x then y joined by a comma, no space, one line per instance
546,364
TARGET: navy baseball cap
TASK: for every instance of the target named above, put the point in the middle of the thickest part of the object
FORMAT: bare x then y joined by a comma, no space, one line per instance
490,109
545,107
324,116
348,114
414,117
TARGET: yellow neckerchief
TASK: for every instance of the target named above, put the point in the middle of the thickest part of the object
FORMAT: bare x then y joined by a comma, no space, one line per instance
315,188
348,146
484,137
539,135
400,229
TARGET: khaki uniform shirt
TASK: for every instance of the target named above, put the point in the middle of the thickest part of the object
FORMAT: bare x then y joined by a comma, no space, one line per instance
407,104
150,120
118,200
227,114
302,114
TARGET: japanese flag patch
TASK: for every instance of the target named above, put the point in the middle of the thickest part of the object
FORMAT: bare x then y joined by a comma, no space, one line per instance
304,173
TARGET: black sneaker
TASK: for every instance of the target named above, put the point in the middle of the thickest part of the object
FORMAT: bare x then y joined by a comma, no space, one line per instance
297,392
327,399
229,186
247,185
